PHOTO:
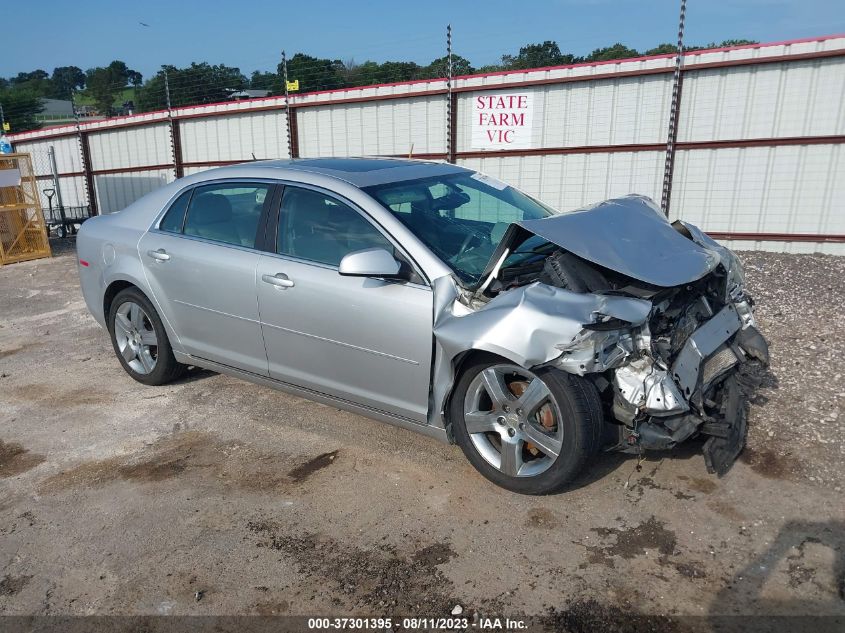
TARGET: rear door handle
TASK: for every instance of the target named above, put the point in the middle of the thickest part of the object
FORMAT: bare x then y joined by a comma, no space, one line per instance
159,255
280,280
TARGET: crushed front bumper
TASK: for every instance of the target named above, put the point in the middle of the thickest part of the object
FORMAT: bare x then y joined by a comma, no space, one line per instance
704,391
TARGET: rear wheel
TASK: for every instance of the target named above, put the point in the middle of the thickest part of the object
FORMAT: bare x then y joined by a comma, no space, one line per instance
140,341
529,432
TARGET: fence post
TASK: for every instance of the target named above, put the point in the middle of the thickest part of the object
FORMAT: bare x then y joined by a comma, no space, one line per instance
54,169
287,105
175,134
451,101
677,83
85,159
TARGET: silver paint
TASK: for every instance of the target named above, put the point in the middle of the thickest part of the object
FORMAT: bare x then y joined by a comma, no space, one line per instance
390,349
629,235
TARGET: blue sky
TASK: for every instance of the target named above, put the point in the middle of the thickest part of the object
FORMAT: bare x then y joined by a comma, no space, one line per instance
250,34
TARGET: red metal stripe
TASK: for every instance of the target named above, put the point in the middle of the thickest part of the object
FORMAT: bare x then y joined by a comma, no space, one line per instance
126,170
659,147
70,174
777,237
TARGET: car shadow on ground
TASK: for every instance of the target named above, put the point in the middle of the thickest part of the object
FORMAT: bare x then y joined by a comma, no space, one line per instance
193,375
812,555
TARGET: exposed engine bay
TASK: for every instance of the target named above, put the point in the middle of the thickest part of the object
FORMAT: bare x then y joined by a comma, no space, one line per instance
655,314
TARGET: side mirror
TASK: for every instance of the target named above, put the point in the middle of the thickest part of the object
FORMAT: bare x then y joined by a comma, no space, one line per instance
371,262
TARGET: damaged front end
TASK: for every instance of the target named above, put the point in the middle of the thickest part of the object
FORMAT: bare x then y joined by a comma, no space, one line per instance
655,314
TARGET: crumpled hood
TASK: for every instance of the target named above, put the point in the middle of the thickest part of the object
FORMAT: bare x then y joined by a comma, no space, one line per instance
629,235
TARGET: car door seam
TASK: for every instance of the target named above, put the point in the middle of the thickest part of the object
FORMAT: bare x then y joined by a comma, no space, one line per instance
234,316
342,344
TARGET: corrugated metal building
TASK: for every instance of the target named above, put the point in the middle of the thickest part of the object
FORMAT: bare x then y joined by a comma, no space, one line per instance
760,137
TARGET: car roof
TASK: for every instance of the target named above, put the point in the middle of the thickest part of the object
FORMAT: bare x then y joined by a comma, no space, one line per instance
363,172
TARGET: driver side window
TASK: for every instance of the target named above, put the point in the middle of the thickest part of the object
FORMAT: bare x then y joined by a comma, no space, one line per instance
322,229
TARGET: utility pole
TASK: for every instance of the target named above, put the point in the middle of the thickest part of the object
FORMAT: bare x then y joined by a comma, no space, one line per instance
677,80
2,120
287,103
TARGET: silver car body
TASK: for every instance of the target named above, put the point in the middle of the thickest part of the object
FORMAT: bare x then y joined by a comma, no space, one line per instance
391,350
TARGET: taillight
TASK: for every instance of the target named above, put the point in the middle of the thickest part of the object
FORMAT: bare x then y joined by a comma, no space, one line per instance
84,263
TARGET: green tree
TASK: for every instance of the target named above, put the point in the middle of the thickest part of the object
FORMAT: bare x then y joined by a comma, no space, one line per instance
617,51
65,80
134,78
537,56
20,105
315,73
374,73
662,49
439,67
194,85
726,43
103,83
35,82
265,81
101,88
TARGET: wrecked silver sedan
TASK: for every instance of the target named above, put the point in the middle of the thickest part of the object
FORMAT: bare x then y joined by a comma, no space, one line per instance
440,300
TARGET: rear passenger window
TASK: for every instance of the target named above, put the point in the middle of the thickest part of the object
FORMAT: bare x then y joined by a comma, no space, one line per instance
227,213
172,220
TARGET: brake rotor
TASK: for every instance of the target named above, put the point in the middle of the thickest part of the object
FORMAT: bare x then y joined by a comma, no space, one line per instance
545,415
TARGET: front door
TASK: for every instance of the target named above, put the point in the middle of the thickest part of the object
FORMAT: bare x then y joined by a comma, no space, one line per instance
364,340
201,263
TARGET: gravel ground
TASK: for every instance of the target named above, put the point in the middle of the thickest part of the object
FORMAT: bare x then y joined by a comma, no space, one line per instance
797,429
213,496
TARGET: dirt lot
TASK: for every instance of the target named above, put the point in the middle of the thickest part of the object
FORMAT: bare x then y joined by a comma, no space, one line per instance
213,496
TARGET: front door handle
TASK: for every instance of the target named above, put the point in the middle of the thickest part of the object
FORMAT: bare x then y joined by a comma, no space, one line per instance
159,255
280,280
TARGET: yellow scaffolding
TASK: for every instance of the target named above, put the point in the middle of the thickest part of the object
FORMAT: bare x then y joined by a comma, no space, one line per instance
23,233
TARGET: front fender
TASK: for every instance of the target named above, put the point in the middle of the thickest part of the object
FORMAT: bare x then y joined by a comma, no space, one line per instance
530,326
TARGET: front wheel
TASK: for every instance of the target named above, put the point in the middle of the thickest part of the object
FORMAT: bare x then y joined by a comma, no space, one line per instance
529,432
140,341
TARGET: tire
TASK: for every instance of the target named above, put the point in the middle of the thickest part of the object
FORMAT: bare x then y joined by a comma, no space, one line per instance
574,401
135,332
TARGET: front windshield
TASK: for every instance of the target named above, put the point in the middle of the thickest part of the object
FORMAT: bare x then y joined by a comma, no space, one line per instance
460,217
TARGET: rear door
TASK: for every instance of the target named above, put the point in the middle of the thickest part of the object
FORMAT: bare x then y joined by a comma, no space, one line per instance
201,262
365,340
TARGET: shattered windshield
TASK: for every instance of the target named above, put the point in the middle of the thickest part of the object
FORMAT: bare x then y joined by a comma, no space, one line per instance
460,217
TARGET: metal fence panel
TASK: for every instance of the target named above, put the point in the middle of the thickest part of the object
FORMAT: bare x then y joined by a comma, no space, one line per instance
137,146
761,130
236,137
786,189
384,128
801,98
117,191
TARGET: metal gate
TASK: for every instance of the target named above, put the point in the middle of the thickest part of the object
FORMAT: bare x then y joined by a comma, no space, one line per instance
23,234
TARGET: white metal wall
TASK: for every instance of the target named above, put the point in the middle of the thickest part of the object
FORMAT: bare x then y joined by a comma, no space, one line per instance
384,128
236,137
801,98
586,123
117,191
631,110
68,161
139,146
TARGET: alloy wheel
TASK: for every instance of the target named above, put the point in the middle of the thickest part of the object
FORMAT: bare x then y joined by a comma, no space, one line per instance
136,337
513,421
